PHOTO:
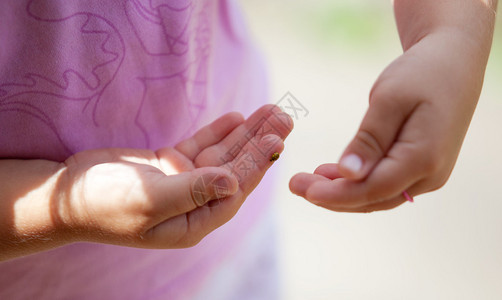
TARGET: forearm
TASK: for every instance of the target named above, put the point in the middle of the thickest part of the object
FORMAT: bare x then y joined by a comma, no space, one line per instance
29,220
473,18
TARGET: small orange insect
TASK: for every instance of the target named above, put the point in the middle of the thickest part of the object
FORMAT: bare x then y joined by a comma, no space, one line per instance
274,157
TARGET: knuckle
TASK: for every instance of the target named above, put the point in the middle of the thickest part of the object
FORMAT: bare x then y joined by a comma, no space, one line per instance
427,158
439,182
383,91
369,141
432,164
390,95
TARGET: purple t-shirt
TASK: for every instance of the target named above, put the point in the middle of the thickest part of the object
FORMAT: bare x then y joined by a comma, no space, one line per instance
84,74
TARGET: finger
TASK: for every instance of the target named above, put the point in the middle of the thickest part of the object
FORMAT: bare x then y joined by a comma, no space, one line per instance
377,132
384,205
418,188
389,179
249,164
421,187
177,194
406,163
412,191
300,183
189,228
330,171
249,168
172,161
209,135
269,119
253,160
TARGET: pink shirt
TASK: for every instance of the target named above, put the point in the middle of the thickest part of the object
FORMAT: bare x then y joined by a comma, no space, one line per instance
83,74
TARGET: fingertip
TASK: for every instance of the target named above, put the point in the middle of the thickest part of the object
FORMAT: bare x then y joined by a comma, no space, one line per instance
272,108
351,166
235,116
295,184
300,183
286,120
267,110
228,121
330,171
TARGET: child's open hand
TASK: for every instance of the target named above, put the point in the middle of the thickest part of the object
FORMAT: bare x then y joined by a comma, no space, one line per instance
173,197
170,198
409,140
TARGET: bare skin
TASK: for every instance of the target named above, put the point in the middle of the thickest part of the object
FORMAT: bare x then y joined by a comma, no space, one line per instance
170,198
419,110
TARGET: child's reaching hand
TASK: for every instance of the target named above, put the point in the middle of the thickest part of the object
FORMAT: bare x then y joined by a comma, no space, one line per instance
420,109
140,198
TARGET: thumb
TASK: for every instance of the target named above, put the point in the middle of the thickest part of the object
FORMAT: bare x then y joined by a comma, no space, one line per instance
186,191
375,136
211,186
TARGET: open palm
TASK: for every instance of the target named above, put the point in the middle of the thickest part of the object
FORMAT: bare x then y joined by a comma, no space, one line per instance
172,197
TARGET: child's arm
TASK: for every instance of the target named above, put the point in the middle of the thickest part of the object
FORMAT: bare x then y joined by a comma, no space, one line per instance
127,197
420,109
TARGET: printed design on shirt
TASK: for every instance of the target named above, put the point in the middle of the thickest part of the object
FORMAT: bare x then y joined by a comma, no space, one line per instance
180,86
107,69
51,72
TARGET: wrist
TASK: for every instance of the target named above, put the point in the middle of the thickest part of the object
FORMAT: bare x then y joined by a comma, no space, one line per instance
471,18
459,52
29,220
39,211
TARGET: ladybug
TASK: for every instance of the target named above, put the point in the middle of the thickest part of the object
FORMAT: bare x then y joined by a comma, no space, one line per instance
274,157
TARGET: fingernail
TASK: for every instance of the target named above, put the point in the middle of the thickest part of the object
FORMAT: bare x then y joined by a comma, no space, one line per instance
352,162
222,187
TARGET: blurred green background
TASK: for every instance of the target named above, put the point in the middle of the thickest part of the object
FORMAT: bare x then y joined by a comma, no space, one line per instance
448,244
